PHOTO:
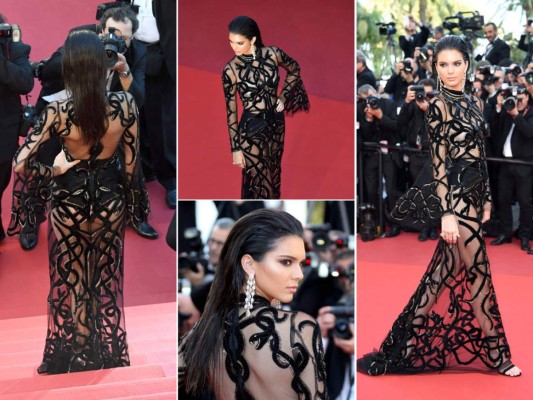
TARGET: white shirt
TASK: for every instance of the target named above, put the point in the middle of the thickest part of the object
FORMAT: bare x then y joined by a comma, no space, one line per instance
507,152
147,31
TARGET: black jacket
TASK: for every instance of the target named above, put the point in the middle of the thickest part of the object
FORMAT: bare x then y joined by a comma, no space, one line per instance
411,124
366,77
16,78
522,139
165,15
384,129
527,47
419,39
500,50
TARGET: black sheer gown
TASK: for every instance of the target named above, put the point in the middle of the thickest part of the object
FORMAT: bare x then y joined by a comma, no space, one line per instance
89,207
452,320
260,134
272,354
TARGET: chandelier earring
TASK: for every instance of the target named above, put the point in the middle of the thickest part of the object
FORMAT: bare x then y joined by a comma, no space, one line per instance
253,51
464,81
250,291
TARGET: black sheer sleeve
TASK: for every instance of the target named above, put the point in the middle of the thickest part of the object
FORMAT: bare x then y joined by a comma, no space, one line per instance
229,83
293,95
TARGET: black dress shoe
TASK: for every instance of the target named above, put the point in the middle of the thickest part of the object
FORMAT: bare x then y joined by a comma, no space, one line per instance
2,232
395,231
145,230
28,240
433,234
171,198
423,235
501,240
524,244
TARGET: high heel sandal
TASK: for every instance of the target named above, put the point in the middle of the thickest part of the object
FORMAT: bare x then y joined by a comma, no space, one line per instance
506,367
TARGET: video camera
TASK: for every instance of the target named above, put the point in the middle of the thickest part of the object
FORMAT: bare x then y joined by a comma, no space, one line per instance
509,94
195,256
344,317
387,28
113,45
474,22
102,8
371,101
10,31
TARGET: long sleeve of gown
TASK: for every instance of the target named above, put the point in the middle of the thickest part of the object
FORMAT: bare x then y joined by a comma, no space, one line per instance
436,128
229,83
293,95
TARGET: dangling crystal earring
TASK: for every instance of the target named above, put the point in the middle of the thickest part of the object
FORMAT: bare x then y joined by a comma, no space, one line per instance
253,51
250,291
464,81
439,83
278,304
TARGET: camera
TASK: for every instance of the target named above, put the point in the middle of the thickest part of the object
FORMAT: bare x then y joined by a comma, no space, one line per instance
371,101
102,8
321,240
488,74
37,68
407,66
387,28
113,45
10,31
367,218
509,94
344,317
474,21
529,77
516,70
28,118
420,93
195,256
424,55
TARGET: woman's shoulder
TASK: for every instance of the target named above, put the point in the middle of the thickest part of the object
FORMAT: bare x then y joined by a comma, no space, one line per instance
298,319
121,96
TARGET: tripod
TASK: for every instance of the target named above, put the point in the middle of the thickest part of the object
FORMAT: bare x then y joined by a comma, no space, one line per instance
390,56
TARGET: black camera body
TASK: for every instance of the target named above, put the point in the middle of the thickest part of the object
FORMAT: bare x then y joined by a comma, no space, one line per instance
529,77
474,21
102,8
407,66
387,28
367,224
10,31
371,101
488,74
344,317
509,95
420,93
195,256
516,70
113,45
424,55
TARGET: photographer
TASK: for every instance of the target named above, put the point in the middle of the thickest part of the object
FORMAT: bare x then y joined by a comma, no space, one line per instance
424,59
126,72
405,74
411,117
337,329
497,49
378,124
413,39
514,117
527,47
364,75
15,79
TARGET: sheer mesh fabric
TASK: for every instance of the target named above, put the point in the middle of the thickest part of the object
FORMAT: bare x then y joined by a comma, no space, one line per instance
89,208
272,354
453,319
260,134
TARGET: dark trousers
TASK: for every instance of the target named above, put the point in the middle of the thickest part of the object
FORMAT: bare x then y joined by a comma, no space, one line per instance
371,179
160,116
516,180
5,178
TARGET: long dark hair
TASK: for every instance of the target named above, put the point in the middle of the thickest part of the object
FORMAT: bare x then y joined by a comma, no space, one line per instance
450,42
84,67
246,27
255,234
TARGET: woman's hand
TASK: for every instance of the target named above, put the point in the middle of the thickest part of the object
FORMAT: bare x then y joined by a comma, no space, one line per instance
62,165
238,159
280,106
450,229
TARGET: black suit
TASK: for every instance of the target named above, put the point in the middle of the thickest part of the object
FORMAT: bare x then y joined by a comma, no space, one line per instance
516,178
499,51
418,39
15,79
527,48
366,77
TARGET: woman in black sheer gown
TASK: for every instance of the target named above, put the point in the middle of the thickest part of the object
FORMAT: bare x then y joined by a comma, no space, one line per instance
243,347
453,319
92,196
257,140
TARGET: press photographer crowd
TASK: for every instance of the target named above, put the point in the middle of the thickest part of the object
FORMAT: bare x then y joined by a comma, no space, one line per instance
325,292
394,146
140,44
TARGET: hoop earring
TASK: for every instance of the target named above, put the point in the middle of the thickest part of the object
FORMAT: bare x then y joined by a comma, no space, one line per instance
250,291
253,51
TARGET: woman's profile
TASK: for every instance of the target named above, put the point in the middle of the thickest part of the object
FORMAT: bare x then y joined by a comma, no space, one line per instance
257,140
242,347
92,197
453,319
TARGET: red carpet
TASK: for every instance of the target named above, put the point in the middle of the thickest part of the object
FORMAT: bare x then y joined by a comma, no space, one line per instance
389,271
318,160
